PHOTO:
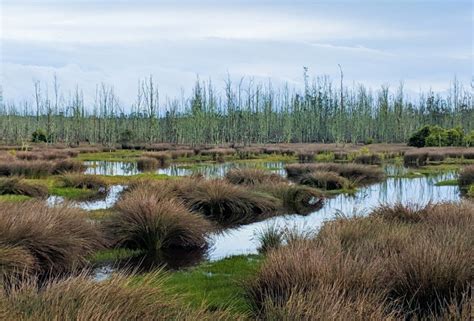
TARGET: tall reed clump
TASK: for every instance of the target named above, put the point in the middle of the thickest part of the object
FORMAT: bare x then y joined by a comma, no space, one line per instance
147,163
67,166
57,239
118,298
363,174
398,263
17,186
325,180
227,204
252,176
466,178
148,221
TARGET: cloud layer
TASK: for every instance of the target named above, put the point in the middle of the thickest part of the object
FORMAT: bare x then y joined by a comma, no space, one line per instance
424,43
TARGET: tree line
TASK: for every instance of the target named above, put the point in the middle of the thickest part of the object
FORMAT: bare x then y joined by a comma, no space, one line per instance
242,112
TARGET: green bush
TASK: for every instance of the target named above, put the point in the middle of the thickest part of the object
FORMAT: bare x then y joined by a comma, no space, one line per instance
39,136
437,136
418,139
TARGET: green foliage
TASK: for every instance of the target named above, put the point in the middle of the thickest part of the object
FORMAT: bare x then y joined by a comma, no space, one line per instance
39,136
418,139
437,136
469,139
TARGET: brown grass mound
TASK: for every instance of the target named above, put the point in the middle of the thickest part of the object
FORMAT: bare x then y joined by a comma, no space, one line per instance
252,176
368,159
118,298
59,239
466,177
296,198
161,157
363,174
83,181
402,263
146,220
147,163
17,186
325,180
227,204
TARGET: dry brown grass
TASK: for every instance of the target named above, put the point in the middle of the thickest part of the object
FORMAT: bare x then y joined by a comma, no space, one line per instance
59,239
325,180
466,177
149,220
368,159
252,176
18,186
225,203
118,298
147,163
362,174
162,157
297,199
83,181
398,263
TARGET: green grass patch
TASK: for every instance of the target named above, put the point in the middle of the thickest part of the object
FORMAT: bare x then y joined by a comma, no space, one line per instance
113,255
216,284
72,193
449,182
14,198
117,156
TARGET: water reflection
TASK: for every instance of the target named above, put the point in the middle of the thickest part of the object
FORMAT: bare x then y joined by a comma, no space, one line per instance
210,170
108,201
393,190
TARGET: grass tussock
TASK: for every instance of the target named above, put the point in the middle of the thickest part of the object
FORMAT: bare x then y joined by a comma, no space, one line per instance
162,157
368,159
398,263
325,180
33,169
118,298
363,174
147,221
466,177
83,181
147,163
252,176
227,204
415,158
17,186
58,239
297,199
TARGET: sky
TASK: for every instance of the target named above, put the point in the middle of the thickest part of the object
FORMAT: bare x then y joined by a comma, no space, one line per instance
425,43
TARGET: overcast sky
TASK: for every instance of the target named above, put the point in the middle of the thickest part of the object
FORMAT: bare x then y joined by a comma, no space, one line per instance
423,43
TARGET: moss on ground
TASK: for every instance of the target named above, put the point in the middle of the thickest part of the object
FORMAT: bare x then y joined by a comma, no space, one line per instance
217,285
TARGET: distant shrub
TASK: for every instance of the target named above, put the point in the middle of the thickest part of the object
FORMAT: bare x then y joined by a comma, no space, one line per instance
39,136
437,136
418,139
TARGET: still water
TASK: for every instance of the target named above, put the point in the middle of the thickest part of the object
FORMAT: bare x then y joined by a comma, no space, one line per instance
206,169
242,240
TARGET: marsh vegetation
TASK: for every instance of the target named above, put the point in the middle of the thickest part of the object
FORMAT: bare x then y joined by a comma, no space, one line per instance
225,241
